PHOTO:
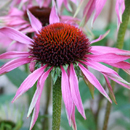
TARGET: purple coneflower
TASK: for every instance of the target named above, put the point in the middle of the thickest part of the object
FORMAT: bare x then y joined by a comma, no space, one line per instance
19,20
64,46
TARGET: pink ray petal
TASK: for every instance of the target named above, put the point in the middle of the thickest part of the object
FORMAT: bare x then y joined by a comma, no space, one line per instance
38,91
119,80
108,58
99,67
54,18
15,12
35,114
104,50
98,8
46,3
100,37
89,8
107,71
93,80
66,93
67,5
73,118
37,106
122,65
59,3
14,64
14,54
110,89
40,3
35,23
75,91
29,82
120,7
32,65
16,35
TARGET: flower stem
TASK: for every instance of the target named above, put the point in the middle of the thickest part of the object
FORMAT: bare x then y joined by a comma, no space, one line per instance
57,96
120,43
123,26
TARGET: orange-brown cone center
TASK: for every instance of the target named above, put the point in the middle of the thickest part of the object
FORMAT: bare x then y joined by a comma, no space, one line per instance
59,44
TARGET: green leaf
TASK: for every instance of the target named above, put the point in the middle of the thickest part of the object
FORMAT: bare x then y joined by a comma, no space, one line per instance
6,98
24,128
122,101
89,123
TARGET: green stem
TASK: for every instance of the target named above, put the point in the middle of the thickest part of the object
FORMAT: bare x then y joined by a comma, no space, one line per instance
123,26
57,96
120,43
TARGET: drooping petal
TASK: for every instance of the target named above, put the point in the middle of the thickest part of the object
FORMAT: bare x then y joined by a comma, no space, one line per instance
108,58
14,64
90,86
110,89
109,72
93,80
38,92
35,114
29,82
98,8
54,18
104,50
14,54
95,6
46,3
119,80
75,91
100,37
66,93
35,23
15,12
120,7
16,35
89,8
99,67
73,118
122,65
59,3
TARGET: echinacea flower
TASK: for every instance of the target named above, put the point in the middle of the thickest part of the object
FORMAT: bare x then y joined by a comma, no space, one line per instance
19,20
96,6
62,45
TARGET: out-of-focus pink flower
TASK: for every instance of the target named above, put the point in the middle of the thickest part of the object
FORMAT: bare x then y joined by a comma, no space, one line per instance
19,20
96,6
58,45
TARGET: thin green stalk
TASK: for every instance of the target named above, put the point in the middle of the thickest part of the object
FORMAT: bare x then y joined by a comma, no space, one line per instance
123,26
57,96
120,43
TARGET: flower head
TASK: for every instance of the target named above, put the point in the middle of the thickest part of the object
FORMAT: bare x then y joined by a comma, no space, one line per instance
61,45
